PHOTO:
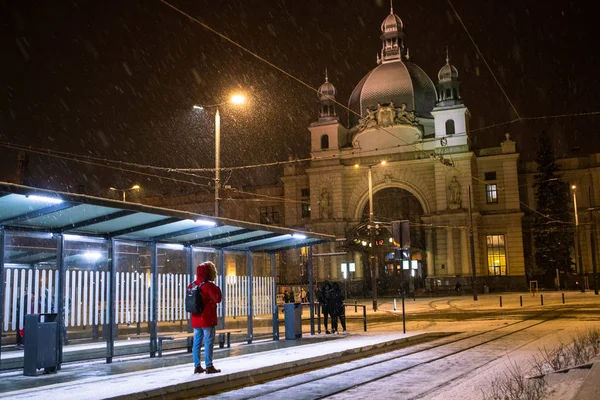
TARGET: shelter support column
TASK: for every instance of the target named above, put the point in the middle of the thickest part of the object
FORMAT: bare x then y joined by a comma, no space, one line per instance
222,272
274,297
249,311
450,252
154,295
464,253
111,303
2,294
60,266
189,261
311,296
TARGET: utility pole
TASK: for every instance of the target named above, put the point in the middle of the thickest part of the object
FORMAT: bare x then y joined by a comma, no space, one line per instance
472,241
577,247
593,240
372,235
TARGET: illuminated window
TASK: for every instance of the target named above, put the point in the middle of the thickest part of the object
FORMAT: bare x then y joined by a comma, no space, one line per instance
496,254
491,193
305,210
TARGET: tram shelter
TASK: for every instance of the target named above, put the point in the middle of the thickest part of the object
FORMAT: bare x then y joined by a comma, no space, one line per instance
116,272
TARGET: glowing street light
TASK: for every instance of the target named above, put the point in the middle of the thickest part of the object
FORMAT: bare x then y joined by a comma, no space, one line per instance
237,99
124,191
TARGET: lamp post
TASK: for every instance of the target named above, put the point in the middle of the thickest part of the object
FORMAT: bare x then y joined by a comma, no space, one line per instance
372,260
124,191
234,99
577,247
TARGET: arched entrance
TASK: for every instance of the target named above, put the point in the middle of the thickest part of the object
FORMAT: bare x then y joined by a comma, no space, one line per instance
390,204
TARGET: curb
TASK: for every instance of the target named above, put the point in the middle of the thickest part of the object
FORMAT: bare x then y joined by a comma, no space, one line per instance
220,383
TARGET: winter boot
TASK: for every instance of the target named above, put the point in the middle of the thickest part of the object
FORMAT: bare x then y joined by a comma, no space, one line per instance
212,370
198,369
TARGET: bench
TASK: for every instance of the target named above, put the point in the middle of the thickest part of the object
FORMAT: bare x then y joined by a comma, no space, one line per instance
222,334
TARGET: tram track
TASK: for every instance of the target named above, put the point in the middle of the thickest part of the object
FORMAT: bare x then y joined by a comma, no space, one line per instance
319,378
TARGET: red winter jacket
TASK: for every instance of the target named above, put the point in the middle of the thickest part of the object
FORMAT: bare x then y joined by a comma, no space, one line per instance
211,296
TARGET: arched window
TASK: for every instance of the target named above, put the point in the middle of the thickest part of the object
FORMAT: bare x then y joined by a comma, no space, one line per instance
324,142
449,127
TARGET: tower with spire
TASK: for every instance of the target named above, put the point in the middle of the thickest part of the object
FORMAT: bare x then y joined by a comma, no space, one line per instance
327,133
450,114
392,38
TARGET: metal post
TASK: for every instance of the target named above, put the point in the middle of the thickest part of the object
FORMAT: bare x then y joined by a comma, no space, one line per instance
365,317
60,265
402,297
542,299
593,241
2,316
372,235
111,301
217,164
221,270
500,301
311,297
521,300
472,242
154,324
577,246
189,261
563,298
250,310
274,298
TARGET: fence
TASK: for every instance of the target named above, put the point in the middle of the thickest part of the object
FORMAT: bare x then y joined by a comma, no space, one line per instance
87,294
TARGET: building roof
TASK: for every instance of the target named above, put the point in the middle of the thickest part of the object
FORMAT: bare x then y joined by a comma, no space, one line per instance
24,208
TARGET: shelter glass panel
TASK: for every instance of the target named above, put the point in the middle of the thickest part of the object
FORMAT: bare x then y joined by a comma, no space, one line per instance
30,287
133,293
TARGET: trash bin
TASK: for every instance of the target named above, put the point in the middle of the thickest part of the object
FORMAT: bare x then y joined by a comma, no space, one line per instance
292,313
486,289
41,343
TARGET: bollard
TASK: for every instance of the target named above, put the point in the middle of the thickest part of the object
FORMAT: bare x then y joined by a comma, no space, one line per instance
521,300
563,296
394,304
365,317
355,307
542,298
500,301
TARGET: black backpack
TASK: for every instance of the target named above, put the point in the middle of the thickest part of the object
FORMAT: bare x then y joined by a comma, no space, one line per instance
193,299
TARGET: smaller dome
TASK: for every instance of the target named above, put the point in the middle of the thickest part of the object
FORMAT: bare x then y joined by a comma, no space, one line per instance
448,71
392,23
326,89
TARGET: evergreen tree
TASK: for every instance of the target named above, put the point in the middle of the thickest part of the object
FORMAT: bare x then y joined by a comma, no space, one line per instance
553,236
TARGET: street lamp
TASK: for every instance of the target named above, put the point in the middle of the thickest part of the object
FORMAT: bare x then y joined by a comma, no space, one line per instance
577,247
237,99
372,234
123,191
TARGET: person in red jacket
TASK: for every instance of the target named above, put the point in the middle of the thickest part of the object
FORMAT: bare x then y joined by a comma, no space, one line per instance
204,323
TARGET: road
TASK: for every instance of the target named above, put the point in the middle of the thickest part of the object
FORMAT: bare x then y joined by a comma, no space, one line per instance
483,340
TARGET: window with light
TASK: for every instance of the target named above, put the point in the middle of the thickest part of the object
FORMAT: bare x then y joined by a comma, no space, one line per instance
491,193
496,254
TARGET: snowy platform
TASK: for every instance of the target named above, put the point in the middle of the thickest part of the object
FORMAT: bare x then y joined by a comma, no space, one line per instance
178,381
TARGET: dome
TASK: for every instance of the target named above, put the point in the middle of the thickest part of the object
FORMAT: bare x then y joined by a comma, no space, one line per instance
391,23
326,90
398,82
448,71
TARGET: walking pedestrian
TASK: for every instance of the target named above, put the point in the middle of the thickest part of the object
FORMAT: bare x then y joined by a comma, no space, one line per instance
204,323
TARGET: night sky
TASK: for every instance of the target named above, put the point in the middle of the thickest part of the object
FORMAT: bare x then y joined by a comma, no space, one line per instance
118,79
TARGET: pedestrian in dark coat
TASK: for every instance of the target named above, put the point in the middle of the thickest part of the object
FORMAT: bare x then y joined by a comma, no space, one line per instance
323,300
338,311
204,323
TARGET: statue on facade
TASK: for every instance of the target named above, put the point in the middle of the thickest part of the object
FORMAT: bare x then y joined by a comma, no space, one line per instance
405,117
324,206
454,195
385,115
